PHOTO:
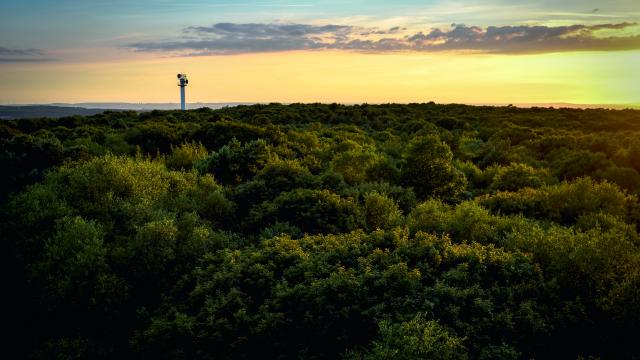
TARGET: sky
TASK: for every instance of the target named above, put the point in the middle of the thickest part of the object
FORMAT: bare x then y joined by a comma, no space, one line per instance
349,51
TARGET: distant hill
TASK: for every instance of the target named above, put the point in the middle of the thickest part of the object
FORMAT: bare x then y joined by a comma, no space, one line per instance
149,106
36,111
58,110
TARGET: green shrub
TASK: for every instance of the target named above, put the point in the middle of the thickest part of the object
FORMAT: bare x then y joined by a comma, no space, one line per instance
428,168
313,211
517,176
235,163
380,212
565,202
414,339
185,156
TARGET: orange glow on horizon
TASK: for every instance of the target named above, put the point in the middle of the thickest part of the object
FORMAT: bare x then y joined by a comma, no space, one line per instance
334,76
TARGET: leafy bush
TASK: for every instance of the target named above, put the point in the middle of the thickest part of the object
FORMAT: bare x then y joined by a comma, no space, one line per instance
354,164
185,156
565,202
380,212
329,293
275,178
414,339
517,176
313,211
235,163
429,170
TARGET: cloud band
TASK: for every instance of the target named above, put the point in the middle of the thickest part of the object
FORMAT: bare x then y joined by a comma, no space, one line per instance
9,55
228,38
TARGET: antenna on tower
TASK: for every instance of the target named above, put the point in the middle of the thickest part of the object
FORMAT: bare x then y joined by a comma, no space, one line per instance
182,82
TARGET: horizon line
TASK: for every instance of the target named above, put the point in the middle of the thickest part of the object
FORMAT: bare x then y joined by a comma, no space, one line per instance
561,104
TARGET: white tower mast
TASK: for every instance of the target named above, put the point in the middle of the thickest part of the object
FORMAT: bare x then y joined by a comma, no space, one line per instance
182,82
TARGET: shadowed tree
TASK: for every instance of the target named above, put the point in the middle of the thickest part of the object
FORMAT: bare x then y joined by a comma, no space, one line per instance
428,168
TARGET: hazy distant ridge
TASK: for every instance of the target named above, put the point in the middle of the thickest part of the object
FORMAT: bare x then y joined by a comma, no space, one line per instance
149,106
36,111
58,110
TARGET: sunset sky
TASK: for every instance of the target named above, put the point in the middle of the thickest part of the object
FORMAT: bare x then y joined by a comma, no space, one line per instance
582,52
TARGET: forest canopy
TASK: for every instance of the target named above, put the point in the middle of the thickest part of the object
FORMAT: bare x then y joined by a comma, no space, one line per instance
324,231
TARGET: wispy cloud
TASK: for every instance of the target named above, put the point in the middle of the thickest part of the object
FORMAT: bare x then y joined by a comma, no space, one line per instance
8,55
229,38
268,30
525,39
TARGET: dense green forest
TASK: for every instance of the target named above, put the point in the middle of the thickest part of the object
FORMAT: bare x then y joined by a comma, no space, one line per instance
418,231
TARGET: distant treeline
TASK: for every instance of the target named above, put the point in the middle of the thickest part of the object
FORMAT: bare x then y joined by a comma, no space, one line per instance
417,231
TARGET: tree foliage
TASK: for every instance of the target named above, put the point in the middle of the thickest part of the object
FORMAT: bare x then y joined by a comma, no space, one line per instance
429,170
323,232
